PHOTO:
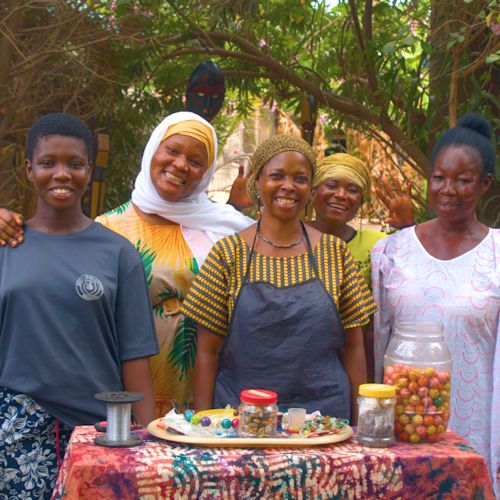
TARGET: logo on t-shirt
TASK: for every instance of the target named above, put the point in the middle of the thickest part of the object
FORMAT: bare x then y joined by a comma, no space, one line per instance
89,287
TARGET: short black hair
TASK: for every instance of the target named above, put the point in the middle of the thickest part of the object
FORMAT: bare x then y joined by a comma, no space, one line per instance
473,132
59,124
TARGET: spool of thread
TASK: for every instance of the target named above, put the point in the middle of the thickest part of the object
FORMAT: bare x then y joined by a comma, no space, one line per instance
118,412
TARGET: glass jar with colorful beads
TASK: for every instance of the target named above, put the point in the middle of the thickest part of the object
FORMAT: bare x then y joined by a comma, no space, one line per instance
418,363
258,413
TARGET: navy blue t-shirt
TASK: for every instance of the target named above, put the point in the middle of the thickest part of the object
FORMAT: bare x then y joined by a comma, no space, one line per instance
73,307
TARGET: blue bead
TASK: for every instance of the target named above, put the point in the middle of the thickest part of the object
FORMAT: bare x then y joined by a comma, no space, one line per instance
226,423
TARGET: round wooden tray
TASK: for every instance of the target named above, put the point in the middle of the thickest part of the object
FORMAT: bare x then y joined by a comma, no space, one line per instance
217,442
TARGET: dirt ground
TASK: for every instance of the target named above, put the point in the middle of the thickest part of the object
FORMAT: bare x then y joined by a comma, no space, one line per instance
364,224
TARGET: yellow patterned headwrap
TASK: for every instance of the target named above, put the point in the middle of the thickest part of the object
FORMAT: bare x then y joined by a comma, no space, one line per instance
196,130
271,148
344,166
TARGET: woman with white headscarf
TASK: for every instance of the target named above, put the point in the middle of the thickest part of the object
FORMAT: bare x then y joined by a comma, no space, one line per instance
173,225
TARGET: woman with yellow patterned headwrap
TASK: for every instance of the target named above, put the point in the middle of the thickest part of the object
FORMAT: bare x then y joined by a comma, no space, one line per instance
279,305
341,184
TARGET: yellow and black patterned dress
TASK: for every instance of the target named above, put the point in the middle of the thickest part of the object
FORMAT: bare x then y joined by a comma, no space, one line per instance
212,296
170,268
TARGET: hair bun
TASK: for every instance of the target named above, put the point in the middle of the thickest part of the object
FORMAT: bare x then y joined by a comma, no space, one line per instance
477,123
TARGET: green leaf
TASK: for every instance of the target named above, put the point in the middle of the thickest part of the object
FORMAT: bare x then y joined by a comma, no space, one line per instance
183,353
119,210
170,293
389,48
492,58
148,256
426,47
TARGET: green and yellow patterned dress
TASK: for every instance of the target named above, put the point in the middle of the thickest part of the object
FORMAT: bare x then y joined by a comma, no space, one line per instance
361,246
170,268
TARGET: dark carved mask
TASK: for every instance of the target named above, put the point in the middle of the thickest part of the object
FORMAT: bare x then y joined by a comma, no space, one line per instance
205,90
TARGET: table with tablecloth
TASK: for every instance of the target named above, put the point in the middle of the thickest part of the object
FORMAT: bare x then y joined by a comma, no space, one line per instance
161,469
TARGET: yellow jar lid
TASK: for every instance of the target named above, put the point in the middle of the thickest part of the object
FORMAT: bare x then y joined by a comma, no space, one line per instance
377,390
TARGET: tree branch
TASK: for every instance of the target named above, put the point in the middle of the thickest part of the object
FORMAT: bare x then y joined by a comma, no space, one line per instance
362,46
343,105
367,20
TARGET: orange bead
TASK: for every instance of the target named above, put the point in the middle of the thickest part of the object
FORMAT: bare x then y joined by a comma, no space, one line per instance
403,437
413,387
438,420
428,420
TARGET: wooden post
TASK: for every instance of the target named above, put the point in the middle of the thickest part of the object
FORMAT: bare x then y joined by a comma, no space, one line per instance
95,203
308,114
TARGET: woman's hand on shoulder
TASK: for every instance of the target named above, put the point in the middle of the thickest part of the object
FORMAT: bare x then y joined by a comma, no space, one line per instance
11,228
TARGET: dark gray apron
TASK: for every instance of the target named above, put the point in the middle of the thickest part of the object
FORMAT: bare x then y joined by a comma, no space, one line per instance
285,340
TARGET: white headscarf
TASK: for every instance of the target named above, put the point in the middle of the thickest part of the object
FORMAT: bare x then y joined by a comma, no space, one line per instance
196,212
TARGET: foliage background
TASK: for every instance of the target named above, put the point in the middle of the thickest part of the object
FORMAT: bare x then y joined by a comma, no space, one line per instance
401,71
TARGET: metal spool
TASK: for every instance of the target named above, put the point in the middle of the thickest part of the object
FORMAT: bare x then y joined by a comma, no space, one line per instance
118,413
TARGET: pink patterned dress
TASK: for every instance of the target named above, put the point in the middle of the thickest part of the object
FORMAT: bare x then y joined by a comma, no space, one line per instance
464,295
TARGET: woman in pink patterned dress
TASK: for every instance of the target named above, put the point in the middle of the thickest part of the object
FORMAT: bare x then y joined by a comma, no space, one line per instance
448,270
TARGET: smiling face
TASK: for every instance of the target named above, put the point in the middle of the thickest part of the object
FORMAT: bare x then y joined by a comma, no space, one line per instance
336,201
178,166
456,184
285,185
60,172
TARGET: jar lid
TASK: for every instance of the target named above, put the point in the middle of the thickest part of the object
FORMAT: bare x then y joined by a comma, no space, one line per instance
377,390
258,396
